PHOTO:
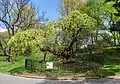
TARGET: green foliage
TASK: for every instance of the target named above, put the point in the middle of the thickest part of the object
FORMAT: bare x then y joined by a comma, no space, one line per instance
26,42
111,11
75,20
40,57
72,26
100,73
49,35
95,9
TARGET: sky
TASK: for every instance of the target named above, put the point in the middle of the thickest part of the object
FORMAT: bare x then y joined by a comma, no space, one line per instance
2,30
48,6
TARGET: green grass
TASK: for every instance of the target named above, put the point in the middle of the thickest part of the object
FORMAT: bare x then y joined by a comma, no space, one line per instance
6,67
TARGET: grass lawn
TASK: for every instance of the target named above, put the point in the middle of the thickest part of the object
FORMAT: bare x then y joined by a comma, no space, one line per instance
6,67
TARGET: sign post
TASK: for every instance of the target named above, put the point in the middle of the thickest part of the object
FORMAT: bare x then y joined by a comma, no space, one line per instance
49,65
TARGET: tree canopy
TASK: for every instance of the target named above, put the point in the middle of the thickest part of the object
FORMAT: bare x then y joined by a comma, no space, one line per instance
24,42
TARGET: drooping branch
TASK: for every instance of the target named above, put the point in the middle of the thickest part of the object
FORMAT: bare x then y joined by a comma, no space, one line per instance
66,52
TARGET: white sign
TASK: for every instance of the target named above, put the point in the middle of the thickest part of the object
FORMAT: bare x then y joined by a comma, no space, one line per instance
49,65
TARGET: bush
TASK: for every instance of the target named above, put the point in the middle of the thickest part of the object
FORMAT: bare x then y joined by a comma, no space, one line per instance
95,58
100,73
111,51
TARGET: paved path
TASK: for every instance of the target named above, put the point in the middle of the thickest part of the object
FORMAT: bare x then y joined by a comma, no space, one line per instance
7,79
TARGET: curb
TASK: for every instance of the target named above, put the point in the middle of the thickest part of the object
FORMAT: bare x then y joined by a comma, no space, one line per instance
53,78
58,78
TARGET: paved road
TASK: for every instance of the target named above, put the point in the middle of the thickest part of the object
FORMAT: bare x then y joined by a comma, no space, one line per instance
7,79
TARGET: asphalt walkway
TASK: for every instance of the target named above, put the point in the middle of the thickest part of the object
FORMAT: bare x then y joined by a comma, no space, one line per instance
8,79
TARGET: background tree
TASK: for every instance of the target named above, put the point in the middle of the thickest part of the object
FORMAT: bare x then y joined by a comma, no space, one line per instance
66,6
113,12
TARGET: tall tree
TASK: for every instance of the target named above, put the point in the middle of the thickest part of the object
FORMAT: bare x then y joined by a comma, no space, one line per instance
68,30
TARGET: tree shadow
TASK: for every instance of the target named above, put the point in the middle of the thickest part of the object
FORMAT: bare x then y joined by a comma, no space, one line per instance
18,70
